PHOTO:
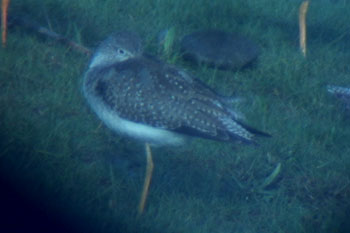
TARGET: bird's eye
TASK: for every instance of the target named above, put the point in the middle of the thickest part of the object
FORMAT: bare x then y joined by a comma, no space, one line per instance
120,51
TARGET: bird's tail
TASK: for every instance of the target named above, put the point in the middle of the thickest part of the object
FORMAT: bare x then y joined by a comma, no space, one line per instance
254,131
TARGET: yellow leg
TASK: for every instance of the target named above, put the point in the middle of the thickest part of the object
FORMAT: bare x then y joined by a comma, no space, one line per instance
149,170
4,7
302,26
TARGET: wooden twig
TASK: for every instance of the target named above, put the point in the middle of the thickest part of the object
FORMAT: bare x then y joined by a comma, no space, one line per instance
26,22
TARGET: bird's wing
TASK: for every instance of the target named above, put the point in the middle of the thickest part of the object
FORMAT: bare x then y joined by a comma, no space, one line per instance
153,93
205,112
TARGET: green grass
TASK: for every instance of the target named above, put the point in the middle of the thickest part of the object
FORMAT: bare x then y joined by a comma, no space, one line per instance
55,150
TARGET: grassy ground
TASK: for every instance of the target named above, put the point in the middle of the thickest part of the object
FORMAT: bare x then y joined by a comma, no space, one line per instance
55,151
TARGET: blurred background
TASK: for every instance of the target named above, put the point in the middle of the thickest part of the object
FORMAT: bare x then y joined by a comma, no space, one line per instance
62,170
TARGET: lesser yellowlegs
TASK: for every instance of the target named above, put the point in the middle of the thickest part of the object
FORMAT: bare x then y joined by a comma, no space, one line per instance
156,103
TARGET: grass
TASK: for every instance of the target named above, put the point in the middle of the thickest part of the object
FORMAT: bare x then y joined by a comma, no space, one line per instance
54,150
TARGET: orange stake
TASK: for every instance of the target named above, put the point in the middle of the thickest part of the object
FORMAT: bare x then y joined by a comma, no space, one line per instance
4,8
302,26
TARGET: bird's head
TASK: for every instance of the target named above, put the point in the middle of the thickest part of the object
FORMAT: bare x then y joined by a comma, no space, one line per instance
118,47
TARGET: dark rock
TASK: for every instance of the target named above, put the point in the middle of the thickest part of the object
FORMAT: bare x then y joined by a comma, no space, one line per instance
219,49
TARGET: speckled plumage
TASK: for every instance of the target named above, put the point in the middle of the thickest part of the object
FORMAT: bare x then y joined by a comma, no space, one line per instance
139,90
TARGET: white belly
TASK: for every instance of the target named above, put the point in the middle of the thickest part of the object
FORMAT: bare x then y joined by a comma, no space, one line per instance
139,131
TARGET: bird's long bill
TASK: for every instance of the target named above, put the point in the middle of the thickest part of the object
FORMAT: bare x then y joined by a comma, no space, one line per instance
4,8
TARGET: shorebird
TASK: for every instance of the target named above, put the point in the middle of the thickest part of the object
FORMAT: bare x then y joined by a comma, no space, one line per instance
138,96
